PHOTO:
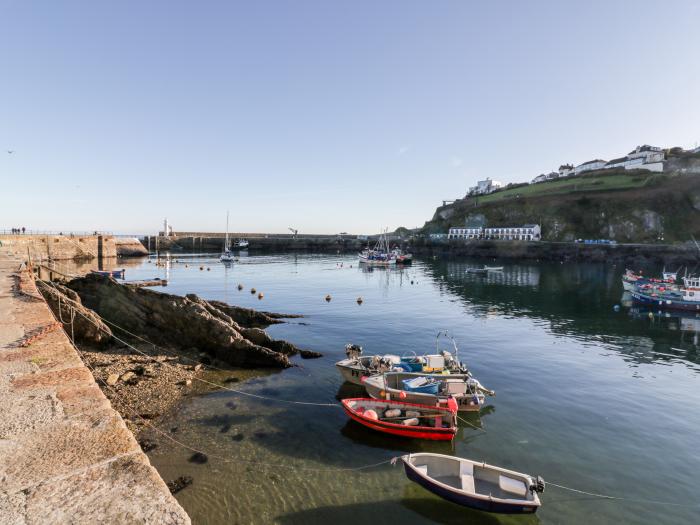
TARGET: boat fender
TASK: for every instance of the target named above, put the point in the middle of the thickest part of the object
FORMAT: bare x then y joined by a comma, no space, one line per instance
411,422
371,414
393,412
402,395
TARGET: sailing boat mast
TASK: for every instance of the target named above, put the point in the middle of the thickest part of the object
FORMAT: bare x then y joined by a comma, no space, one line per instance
226,241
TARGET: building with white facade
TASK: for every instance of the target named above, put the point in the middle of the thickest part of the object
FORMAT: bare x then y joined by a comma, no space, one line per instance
545,177
565,170
589,166
484,187
527,232
641,158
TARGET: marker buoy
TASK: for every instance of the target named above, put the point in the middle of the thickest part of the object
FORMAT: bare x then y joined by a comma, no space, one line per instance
359,300
201,268
252,290
240,287
260,295
208,269
328,298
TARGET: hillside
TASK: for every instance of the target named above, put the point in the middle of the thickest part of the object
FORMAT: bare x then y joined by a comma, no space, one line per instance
626,206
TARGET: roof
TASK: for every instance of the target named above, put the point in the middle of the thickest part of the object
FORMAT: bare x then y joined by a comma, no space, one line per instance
616,161
592,162
566,167
530,225
645,147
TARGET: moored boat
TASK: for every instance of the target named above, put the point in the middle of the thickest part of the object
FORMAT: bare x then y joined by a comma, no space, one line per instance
687,298
493,268
402,257
479,271
380,255
475,484
404,419
226,256
428,389
117,274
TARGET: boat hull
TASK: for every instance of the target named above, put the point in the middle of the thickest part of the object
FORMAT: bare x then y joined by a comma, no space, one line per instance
378,390
664,303
466,500
413,432
352,373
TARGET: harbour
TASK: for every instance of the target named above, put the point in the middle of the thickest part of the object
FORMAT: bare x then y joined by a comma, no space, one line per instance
584,393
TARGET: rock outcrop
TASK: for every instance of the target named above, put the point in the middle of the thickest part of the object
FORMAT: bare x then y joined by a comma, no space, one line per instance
83,323
228,333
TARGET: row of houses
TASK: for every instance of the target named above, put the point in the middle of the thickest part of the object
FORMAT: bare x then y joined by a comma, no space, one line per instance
527,232
644,157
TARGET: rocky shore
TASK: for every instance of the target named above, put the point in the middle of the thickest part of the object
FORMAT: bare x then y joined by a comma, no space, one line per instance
155,346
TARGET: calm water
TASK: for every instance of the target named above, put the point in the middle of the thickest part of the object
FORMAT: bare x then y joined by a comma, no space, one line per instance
587,397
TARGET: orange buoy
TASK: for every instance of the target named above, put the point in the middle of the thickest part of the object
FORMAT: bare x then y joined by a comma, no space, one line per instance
260,295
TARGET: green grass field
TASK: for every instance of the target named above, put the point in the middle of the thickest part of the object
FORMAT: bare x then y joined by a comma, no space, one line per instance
602,182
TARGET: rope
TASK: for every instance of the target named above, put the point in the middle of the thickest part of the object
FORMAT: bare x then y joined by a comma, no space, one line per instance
619,498
471,425
227,459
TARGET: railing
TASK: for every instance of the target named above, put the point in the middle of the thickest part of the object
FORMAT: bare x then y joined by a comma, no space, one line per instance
19,231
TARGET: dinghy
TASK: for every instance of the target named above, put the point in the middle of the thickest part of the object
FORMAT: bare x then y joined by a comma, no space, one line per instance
431,389
474,484
404,419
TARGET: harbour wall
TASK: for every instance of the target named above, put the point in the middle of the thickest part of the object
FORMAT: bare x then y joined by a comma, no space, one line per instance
638,254
69,247
66,456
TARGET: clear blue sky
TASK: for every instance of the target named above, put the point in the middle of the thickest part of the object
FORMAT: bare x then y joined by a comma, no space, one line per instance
321,115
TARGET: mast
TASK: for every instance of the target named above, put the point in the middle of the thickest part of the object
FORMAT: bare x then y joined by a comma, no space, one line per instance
226,241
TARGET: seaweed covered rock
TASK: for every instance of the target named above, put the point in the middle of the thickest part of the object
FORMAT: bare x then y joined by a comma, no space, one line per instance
82,322
213,327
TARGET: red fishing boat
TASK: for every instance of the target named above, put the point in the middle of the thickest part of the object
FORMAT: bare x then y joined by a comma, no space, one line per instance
404,419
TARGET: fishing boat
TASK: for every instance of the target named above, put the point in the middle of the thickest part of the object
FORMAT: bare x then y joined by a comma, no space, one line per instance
380,254
404,419
227,256
632,280
357,366
117,274
401,256
473,484
493,268
687,298
480,271
428,389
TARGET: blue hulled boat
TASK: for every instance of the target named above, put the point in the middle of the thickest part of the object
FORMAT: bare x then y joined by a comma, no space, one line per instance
687,298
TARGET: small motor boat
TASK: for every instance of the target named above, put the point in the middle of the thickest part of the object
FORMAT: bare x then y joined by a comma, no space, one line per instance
117,274
404,419
474,484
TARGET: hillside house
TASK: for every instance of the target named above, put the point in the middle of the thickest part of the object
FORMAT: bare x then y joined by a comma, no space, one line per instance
484,187
591,165
565,170
643,157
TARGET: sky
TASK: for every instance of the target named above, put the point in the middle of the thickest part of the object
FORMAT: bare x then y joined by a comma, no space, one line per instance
318,115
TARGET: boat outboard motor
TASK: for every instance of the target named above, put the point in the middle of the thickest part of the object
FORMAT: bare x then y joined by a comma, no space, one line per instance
538,485
353,351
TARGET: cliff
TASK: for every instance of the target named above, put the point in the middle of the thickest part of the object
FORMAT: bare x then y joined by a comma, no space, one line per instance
628,207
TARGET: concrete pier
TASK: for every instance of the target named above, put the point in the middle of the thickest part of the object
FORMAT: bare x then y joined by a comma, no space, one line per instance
66,455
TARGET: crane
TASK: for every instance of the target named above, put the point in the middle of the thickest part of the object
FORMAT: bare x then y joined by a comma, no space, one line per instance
294,232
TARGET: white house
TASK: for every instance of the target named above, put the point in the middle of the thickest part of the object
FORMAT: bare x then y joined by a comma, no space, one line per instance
539,178
565,170
484,187
545,177
643,157
527,232
589,166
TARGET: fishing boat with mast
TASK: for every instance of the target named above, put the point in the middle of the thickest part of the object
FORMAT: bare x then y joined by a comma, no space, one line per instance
227,255
687,298
380,255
